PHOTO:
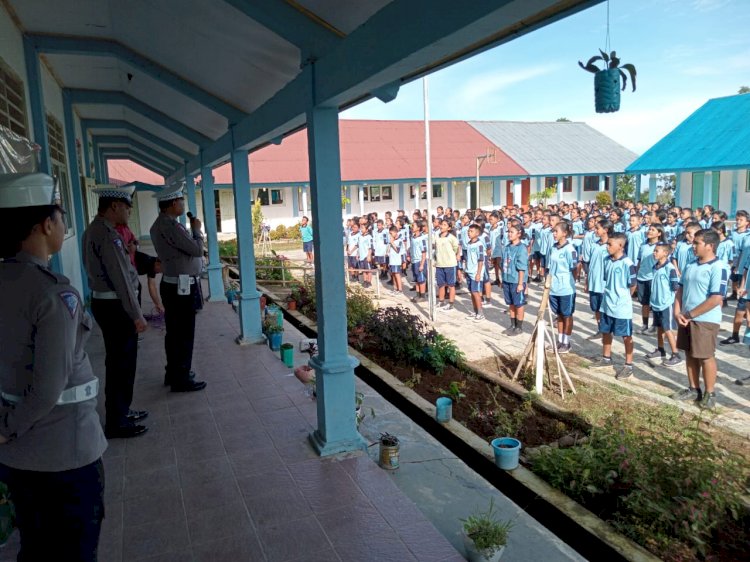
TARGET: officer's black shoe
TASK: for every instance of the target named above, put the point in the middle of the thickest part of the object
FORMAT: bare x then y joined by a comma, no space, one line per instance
137,415
189,386
168,378
125,431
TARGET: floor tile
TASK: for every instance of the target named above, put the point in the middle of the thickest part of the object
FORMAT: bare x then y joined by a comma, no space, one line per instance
265,405
206,525
160,504
146,482
308,537
243,547
150,540
260,460
201,472
210,494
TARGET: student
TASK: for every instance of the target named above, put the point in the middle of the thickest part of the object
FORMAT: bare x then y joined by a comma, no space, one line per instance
698,313
589,239
496,244
536,255
671,228
636,238
577,239
364,256
352,243
646,262
474,268
484,237
595,280
725,249
617,304
447,255
395,258
663,287
418,258
739,236
380,248
462,233
561,264
306,232
545,241
683,251
515,265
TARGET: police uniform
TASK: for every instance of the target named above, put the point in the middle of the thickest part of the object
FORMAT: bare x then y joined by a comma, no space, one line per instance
114,302
181,255
51,461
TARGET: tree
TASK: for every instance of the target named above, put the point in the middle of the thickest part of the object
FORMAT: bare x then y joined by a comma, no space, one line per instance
257,215
667,184
744,90
565,119
542,196
625,189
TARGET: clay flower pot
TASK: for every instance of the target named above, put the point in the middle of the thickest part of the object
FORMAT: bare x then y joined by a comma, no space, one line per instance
304,373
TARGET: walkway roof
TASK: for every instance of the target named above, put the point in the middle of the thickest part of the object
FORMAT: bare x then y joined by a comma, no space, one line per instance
715,137
557,148
197,79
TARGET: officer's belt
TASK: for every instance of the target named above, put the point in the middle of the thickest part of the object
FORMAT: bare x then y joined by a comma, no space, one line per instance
175,280
72,395
105,295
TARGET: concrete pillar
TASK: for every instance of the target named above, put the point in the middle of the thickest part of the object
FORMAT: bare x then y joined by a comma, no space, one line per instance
579,188
602,183
651,188
497,192
305,189
613,185
733,199
98,176
449,193
249,312
190,190
708,185
637,195
468,194
401,188
361,199
334,367
560,184
294,192
215,282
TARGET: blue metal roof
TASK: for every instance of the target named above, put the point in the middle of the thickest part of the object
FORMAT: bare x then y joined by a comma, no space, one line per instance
714,137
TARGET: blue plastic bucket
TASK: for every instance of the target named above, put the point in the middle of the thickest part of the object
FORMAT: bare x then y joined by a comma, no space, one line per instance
506,452
443,409
274,341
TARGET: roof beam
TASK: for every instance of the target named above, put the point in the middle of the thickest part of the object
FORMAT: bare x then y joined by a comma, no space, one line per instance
131,142
310,34
126,154
106,97
56,44
144,134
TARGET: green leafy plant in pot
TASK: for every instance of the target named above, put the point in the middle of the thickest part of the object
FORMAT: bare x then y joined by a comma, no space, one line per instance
607,80
485,536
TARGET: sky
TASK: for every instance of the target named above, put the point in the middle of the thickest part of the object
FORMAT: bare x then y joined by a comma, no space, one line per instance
685,53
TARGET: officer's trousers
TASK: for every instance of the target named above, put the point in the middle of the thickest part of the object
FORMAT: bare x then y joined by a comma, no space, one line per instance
179,320
121,346
59,514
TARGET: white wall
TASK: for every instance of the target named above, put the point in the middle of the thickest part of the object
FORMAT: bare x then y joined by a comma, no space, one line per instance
148,210
725,190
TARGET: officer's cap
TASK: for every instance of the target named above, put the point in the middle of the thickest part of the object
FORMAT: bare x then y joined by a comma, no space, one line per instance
169,193
26,190
111,191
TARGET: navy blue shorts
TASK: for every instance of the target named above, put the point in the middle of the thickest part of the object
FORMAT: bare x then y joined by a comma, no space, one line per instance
736,277
585,267
564,306
595,301
742,305
475,286
665,319
380,260
445,276
363,264
395,268
353,262
537,255
512,297
419,276
307,246
615,326
644,292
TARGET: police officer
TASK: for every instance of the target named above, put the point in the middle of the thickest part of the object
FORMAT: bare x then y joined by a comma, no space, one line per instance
181,255
114,303
52,440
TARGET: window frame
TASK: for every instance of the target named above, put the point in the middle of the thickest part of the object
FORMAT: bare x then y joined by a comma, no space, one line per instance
383,196
280,200
595,183
18,123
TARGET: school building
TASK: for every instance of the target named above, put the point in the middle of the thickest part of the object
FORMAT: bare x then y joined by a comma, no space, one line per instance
709,152
383,167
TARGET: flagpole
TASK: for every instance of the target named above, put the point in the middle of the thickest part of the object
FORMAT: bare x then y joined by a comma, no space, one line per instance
428,180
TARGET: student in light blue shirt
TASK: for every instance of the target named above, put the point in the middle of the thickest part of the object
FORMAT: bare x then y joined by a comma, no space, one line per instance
698,312
515,269
636,237
306,232
496,243
364,255
646,262
617,304
595,279
395,258
663,287
380,239
562,260
683,251
475,264
418,258
589,239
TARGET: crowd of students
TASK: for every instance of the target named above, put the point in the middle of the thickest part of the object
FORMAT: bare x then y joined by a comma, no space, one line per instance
678,263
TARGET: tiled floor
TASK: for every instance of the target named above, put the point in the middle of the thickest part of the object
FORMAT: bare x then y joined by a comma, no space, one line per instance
228,475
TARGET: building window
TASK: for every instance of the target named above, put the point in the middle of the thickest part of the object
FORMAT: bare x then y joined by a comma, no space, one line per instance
550,181
277,197
270,196
374,193
591,183
56,141
412,191
386,193
568,184
12,101
437,189
263,196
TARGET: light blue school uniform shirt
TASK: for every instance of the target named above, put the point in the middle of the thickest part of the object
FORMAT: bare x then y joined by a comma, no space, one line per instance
533,231
739,239
364,246
700,281
589,240
596,267
380,240
475,253
307,233
663,286
725,252
395,252
418,245
577,231
646,262
683,255
618,227
496,240
671,230
619,278
463,237
352,242
636,238
545,240
515,259
561,263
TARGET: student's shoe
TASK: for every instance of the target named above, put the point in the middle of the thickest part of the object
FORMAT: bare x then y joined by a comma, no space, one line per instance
708,401
741,382
692,394
537,279
394,292
449,307
471,315
563,348
125,431
732,297
601,362
487,304
509,330
516,331
656,354
672,361
440,305
497,282
643,330
730,340
479,316
625,372
651,330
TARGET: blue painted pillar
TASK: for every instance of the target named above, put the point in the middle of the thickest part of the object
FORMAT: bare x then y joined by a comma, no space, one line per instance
75,181
677,193
651,188
295,192
86,153
401,188
215,282
497,193
708,186
190,189
560,187
348,191
334,367
637,196
449,193
579,188
733,200
98,177
250,324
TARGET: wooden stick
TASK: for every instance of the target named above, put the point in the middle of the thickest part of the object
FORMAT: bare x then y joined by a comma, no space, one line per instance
562,370
526,356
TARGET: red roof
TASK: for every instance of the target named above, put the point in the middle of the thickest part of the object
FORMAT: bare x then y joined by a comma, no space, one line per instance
382,150
125,171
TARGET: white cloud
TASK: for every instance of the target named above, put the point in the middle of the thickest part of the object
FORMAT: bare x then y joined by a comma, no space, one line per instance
480,87
709,5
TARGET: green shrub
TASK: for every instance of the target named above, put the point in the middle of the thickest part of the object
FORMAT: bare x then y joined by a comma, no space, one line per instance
228,248
359,305
604,199
275,274
283,232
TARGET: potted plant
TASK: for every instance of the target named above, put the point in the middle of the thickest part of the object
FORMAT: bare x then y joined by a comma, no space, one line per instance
389,451
273,332
231,291
485,536
607,80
